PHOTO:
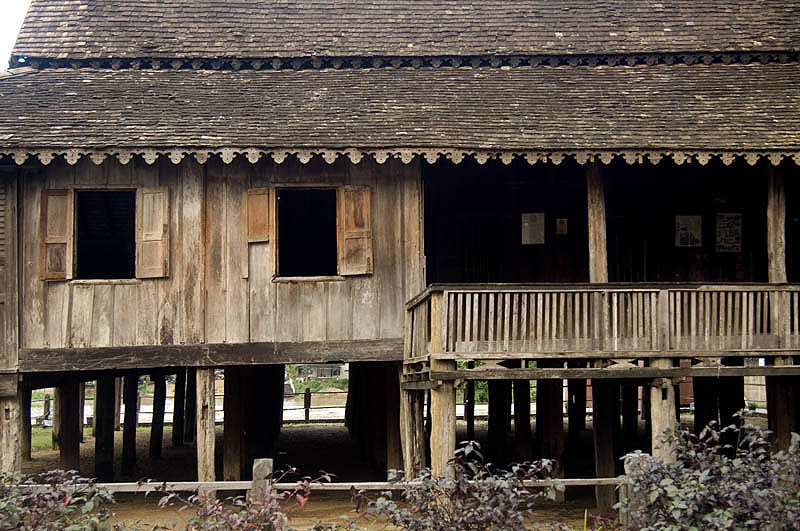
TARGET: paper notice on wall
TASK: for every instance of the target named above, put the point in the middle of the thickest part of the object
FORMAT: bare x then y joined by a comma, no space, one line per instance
533,228
688,231
729,233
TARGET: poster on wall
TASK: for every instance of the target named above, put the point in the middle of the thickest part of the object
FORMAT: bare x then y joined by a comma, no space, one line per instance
533,228
729,233
688,231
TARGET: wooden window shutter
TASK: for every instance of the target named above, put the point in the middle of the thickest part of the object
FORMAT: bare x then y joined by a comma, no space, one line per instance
258,211
56,228
355,230
152,232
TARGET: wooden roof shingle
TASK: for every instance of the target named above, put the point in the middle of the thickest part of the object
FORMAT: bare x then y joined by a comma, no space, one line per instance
85,29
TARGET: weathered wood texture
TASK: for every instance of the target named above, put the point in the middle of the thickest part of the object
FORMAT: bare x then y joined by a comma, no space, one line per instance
10,449
104,422
130,395
205,425
218,285
443,399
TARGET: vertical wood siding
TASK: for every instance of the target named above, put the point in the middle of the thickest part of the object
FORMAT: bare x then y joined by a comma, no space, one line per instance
211,294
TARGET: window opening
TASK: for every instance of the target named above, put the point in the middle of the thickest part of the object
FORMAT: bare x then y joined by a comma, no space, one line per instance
105,234
306,232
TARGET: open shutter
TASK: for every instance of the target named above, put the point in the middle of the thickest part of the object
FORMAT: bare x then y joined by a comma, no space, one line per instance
55,255
355,230
152,232
258,221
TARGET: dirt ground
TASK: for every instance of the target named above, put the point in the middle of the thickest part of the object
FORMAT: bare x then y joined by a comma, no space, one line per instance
310,447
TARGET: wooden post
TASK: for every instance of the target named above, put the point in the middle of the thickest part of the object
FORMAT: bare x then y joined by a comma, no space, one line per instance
159,407
522,411
307,403
190,417
262,474
10,452
69,432
469,405
178,407
705,391
394,451
443,397
56,431
499,411
105,398
94,410
630,415
781,393
662,411
604,393
130,395
25,420
81,408
233,428
205,424
412,431
576,407
117,403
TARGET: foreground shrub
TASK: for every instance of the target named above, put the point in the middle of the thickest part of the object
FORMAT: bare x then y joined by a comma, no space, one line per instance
62,501
713,485
473,497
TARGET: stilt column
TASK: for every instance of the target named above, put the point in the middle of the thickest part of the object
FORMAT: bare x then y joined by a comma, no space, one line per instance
205,424
443,397
10,451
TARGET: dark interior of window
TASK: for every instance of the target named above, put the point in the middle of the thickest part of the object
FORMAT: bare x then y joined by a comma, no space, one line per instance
105,236
306,233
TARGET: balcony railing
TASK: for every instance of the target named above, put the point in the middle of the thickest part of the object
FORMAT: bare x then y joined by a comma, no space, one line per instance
604,320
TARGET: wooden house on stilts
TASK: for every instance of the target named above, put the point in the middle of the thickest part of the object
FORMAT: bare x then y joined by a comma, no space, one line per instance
437,192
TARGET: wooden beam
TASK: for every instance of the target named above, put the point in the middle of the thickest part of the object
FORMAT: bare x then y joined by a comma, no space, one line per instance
130,395
443,398
595,373
159,408
207,355
178,407
205,424
190,417
105,399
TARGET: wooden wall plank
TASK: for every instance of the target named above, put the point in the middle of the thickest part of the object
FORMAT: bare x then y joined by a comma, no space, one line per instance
190,263
237,328
102,332
146,316
314,311
287,319
56,298
261,293
32,319
414,275
125,311
388,254
169,288
216,263
339,323
80,320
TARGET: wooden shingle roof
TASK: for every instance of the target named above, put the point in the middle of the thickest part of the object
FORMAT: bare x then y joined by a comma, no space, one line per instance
698,109
85,29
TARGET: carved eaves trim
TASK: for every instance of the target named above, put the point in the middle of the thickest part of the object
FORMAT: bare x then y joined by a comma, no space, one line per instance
404,154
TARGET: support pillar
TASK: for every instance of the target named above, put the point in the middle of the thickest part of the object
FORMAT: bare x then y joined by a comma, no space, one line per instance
522,418
205,424
10,451
69,426
25,421
499,411
630,415
576,407
178,407
781,393
117,403
105,398
469,405
412,431
443,398
81,408
394,452
130,395
159,407
190,428
604,393
234,451
662,411
705,391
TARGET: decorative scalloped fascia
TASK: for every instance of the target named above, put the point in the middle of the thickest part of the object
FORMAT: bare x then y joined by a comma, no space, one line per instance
406,155
435,61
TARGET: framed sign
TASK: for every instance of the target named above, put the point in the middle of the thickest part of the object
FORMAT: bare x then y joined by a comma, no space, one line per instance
688,231
533,228
729,233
